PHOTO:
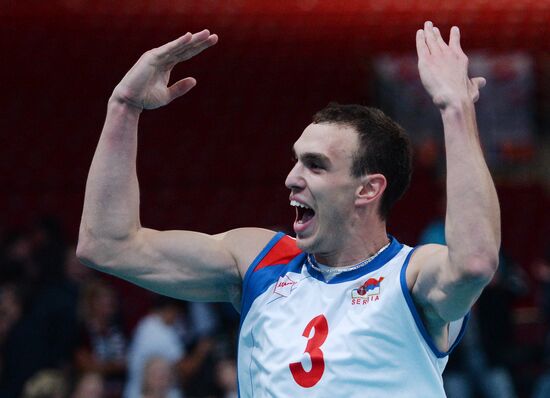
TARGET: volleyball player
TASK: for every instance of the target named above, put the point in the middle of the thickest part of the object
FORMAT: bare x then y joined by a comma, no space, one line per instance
342,309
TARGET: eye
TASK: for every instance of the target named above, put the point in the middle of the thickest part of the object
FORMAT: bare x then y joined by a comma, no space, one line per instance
315,166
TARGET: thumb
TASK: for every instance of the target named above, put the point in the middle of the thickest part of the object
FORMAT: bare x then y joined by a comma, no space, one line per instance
479,82
181,87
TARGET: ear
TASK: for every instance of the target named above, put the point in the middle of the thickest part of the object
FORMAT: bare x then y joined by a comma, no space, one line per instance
371,189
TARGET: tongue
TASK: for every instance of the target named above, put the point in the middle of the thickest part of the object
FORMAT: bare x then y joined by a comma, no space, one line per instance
308,215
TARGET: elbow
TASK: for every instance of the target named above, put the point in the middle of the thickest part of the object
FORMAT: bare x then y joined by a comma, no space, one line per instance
87,250
481,266
94,252
103,253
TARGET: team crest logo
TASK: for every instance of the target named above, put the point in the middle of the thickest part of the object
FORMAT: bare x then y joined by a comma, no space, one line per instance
284,286
367,292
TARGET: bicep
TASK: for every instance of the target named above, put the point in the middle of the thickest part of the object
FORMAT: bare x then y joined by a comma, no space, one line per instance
440,287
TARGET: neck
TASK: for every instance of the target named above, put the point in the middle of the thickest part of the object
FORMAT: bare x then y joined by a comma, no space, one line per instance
355,249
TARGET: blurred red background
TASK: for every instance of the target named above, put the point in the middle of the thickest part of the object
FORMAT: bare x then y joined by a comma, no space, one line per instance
217,158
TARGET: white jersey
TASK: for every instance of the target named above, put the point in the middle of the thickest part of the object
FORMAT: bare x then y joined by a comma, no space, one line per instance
358,335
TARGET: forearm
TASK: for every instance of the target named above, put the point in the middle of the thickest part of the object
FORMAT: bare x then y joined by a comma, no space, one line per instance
111,203
472,227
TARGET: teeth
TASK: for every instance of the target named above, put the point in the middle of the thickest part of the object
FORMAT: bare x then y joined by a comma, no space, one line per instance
298,204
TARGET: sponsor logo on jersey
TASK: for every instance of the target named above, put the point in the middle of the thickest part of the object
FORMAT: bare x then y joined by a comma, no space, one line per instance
284,286
368,292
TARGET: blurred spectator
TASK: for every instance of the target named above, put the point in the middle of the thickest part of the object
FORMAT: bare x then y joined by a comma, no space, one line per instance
494,310
44,335
203,347
471,373
226,377
17,259
195,370
48,249
158,378
102,344
541,271
434,232
89,385
48,383
158,335
11,308
181,334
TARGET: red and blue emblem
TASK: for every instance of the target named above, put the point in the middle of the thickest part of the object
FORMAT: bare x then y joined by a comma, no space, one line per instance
370,288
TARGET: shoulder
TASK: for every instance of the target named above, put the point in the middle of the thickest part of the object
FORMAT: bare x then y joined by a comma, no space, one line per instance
245,244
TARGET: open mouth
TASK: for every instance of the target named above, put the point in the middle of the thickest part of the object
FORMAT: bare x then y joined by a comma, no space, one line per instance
304,215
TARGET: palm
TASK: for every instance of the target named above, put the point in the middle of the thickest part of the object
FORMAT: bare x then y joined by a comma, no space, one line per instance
146,83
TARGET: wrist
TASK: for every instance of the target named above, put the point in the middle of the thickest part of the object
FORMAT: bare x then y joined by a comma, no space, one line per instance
459,121
457,107
124,105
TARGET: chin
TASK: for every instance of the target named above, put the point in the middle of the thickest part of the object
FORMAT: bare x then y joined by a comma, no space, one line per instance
307,244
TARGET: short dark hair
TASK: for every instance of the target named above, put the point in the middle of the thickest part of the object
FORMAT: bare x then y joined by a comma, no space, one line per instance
384,147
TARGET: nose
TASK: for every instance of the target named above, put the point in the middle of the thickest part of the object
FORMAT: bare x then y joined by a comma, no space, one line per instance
294,180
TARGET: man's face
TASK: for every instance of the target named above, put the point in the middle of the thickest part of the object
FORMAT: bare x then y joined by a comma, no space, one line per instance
322,187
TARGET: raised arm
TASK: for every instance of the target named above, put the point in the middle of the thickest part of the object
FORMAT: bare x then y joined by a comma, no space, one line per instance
181,264
446,280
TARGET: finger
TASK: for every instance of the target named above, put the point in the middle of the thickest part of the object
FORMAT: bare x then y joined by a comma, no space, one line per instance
208,41
421,47
197,48
183,42
431,40
454,40
181,87
195,38
171,46
479,82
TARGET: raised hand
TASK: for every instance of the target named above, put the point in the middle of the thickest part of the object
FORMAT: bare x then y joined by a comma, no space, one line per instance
145,86
444,67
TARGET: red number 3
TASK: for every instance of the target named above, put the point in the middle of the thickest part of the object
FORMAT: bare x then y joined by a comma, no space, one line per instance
309,378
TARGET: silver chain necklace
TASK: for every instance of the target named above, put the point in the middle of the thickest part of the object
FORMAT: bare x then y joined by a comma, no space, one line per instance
313,263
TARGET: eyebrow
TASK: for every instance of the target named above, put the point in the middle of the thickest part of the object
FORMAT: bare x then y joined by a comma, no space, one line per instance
312,156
